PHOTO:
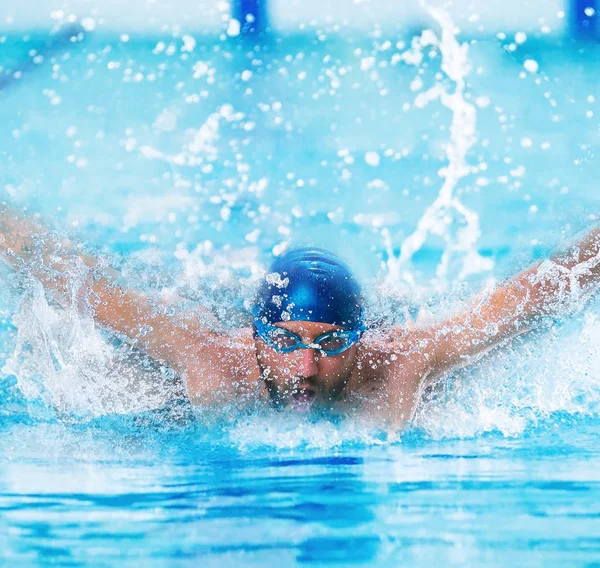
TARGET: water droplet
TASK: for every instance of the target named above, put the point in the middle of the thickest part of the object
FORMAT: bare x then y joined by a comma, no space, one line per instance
89,24
520,38
372,158
233,29
531,65
526,142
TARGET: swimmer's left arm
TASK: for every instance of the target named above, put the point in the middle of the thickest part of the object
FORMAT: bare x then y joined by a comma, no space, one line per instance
552,288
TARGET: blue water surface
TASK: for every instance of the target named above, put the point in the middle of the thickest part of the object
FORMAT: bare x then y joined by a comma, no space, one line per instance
94,496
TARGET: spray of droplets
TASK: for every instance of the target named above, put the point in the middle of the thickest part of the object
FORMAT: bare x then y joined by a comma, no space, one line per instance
447,217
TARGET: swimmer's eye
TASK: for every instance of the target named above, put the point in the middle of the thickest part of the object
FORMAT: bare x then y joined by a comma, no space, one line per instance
282,339
332,343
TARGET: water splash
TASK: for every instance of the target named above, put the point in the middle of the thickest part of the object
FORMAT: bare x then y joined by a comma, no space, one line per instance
552,373
65,368
447,217
63,364
284,432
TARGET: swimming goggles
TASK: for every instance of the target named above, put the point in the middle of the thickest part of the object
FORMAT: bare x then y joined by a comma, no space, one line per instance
284,341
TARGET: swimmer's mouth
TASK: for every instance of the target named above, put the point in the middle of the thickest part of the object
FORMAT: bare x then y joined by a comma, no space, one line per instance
303,398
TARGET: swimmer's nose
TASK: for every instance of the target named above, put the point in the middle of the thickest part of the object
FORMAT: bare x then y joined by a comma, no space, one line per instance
307,364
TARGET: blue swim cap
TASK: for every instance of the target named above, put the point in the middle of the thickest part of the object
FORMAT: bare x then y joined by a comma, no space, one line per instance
309,284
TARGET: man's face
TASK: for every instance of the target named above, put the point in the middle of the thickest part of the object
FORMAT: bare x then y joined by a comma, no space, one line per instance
305,379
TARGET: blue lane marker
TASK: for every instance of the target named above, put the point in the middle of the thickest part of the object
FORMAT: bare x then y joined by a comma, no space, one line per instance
585,18
252,15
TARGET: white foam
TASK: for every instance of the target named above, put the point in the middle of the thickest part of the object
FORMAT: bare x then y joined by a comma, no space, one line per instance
289,432
61,359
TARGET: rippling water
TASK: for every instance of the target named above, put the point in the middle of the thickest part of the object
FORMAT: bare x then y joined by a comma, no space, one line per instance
134,494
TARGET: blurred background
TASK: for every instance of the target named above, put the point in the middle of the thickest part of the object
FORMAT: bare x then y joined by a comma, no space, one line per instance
204,137
548,17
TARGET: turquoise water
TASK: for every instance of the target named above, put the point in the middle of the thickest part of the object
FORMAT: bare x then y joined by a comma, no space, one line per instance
100,496
188,172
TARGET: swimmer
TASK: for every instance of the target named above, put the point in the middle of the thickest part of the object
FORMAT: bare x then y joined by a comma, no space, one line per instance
309,349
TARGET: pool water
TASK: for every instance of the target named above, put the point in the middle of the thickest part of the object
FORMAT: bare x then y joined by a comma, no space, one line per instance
108,493
189,169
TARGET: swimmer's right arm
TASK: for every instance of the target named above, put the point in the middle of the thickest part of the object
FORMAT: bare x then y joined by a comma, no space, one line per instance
550,289
25,244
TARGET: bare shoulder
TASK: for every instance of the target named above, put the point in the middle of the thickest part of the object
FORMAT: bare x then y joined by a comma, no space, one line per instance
399,348
221,368
393,365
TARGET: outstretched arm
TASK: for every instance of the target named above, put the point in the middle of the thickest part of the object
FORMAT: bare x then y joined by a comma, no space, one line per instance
553,287
27,244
